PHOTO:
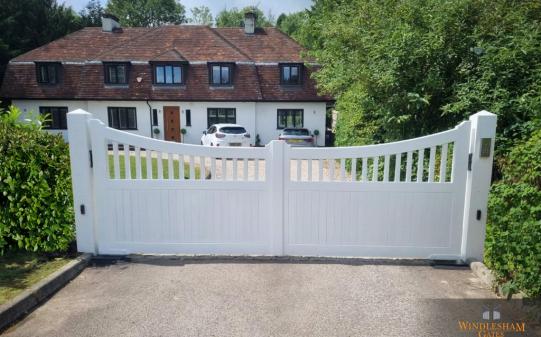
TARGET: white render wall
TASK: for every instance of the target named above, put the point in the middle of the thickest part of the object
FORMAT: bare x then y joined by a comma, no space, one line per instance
257,118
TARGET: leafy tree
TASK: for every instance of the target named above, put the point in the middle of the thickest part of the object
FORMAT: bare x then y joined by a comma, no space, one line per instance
91,15
147,13
28,24
292,23
234,17
201,15
402,69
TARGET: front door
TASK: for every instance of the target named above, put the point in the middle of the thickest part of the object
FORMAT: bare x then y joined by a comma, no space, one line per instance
171,123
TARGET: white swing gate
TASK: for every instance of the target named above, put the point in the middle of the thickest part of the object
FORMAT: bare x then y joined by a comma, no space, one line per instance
418,198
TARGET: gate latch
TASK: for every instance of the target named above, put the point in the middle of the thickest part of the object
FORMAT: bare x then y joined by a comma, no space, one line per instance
470,158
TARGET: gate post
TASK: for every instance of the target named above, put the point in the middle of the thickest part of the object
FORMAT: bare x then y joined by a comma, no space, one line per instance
481,152
82,179
277,154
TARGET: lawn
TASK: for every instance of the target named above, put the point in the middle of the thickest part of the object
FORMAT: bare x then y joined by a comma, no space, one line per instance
154,161
20,270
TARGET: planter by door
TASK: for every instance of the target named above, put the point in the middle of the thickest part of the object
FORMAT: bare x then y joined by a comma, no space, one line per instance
171,123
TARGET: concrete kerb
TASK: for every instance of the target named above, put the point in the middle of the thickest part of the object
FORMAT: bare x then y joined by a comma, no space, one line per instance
24,303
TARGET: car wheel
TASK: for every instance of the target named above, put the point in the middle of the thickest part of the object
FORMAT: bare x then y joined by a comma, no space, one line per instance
211,144
201,142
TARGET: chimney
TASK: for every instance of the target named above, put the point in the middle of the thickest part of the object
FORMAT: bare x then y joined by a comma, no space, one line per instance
110,23
249,22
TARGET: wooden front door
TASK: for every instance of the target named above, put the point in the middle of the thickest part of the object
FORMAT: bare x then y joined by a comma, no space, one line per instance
171,123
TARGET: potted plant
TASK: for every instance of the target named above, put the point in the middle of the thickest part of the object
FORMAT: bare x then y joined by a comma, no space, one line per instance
183,131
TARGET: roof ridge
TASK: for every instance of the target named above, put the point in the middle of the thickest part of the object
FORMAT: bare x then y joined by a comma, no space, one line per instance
151,30
230,43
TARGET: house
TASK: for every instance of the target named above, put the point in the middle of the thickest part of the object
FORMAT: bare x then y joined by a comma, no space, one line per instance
164,81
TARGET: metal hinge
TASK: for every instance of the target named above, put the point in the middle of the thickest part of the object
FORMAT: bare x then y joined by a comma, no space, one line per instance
90,157
470,157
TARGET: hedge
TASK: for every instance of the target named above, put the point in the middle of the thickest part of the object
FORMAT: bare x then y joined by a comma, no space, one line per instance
36,212
513,242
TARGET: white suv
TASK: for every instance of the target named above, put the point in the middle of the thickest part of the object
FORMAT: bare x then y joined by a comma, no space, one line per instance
225,135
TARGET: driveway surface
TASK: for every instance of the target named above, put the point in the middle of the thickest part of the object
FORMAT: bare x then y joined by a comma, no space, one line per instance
209,297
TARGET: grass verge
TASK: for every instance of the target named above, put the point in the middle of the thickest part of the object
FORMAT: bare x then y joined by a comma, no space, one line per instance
19,270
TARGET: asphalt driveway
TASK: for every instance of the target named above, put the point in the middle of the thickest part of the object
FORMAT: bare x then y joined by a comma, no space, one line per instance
178,297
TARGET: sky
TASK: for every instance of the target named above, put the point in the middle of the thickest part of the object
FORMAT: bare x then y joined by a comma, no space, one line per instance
275,6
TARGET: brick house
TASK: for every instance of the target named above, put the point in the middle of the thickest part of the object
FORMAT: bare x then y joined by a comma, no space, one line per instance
157,81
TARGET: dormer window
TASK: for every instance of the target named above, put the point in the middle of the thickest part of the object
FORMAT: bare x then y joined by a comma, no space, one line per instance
116,73
168,74
290,74
48,73
220,74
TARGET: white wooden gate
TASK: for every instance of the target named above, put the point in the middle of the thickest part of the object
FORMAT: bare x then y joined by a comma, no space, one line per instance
419,198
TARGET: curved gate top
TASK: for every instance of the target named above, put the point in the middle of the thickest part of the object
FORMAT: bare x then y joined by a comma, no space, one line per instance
418,198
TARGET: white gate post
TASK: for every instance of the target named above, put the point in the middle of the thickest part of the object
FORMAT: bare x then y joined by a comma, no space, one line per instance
482,137
82,178
277,154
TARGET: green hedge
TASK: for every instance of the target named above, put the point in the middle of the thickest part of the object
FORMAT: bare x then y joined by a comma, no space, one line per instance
513,243
36,212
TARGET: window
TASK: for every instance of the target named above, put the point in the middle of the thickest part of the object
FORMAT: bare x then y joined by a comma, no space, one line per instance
47,73
168,74
290,74
221,115
154,117
290,118
116,73
188,117
56,117
122,118
221,74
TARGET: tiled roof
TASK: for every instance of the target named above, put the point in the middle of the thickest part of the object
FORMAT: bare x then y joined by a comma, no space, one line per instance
256,75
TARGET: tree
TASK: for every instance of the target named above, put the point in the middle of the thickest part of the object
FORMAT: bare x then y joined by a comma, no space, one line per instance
91,15
147,13
234,17
402,69
292,23
28,24
201,15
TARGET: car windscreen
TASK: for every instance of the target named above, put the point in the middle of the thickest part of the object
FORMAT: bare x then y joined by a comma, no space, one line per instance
235,130
296,132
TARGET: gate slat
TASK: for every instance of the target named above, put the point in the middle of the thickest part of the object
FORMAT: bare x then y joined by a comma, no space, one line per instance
235,173
443,163
353,169
116,161
192,168
202,168
127,162
256,169
342,169
245,169
224,169
397,164
420,164
364,172
212,168
320,169
310,169
181,167
160,164
331,162
299,164
431,164
138,162
148,155
170,173
375,169
408,166
386,168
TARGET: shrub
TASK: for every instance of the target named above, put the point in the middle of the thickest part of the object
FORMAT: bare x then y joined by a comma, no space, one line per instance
35,187
513,243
